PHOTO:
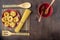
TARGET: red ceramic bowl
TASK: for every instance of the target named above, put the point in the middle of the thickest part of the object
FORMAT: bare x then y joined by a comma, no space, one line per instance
45,5
9,10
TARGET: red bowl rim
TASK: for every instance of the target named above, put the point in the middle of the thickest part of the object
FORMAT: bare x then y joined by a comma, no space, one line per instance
49,13
11,10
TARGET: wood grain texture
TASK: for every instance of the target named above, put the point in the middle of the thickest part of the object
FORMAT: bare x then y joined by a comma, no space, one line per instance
47,29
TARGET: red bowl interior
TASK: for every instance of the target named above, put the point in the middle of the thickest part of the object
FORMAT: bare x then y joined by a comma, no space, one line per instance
9,10
45,5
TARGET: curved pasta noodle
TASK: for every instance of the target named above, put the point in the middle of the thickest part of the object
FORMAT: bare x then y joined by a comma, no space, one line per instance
10,18
13,13
12,24
6,14
6,24
16,19
4,19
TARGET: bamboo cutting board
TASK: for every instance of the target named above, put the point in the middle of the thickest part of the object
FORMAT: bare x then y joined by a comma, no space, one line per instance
26,25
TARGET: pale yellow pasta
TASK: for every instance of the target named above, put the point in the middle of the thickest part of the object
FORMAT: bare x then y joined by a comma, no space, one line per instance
6,14
4,19
10,18
6,24
16,19
13,13
12,24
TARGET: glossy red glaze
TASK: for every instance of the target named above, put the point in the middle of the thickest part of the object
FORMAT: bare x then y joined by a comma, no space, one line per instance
45,5
9,10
